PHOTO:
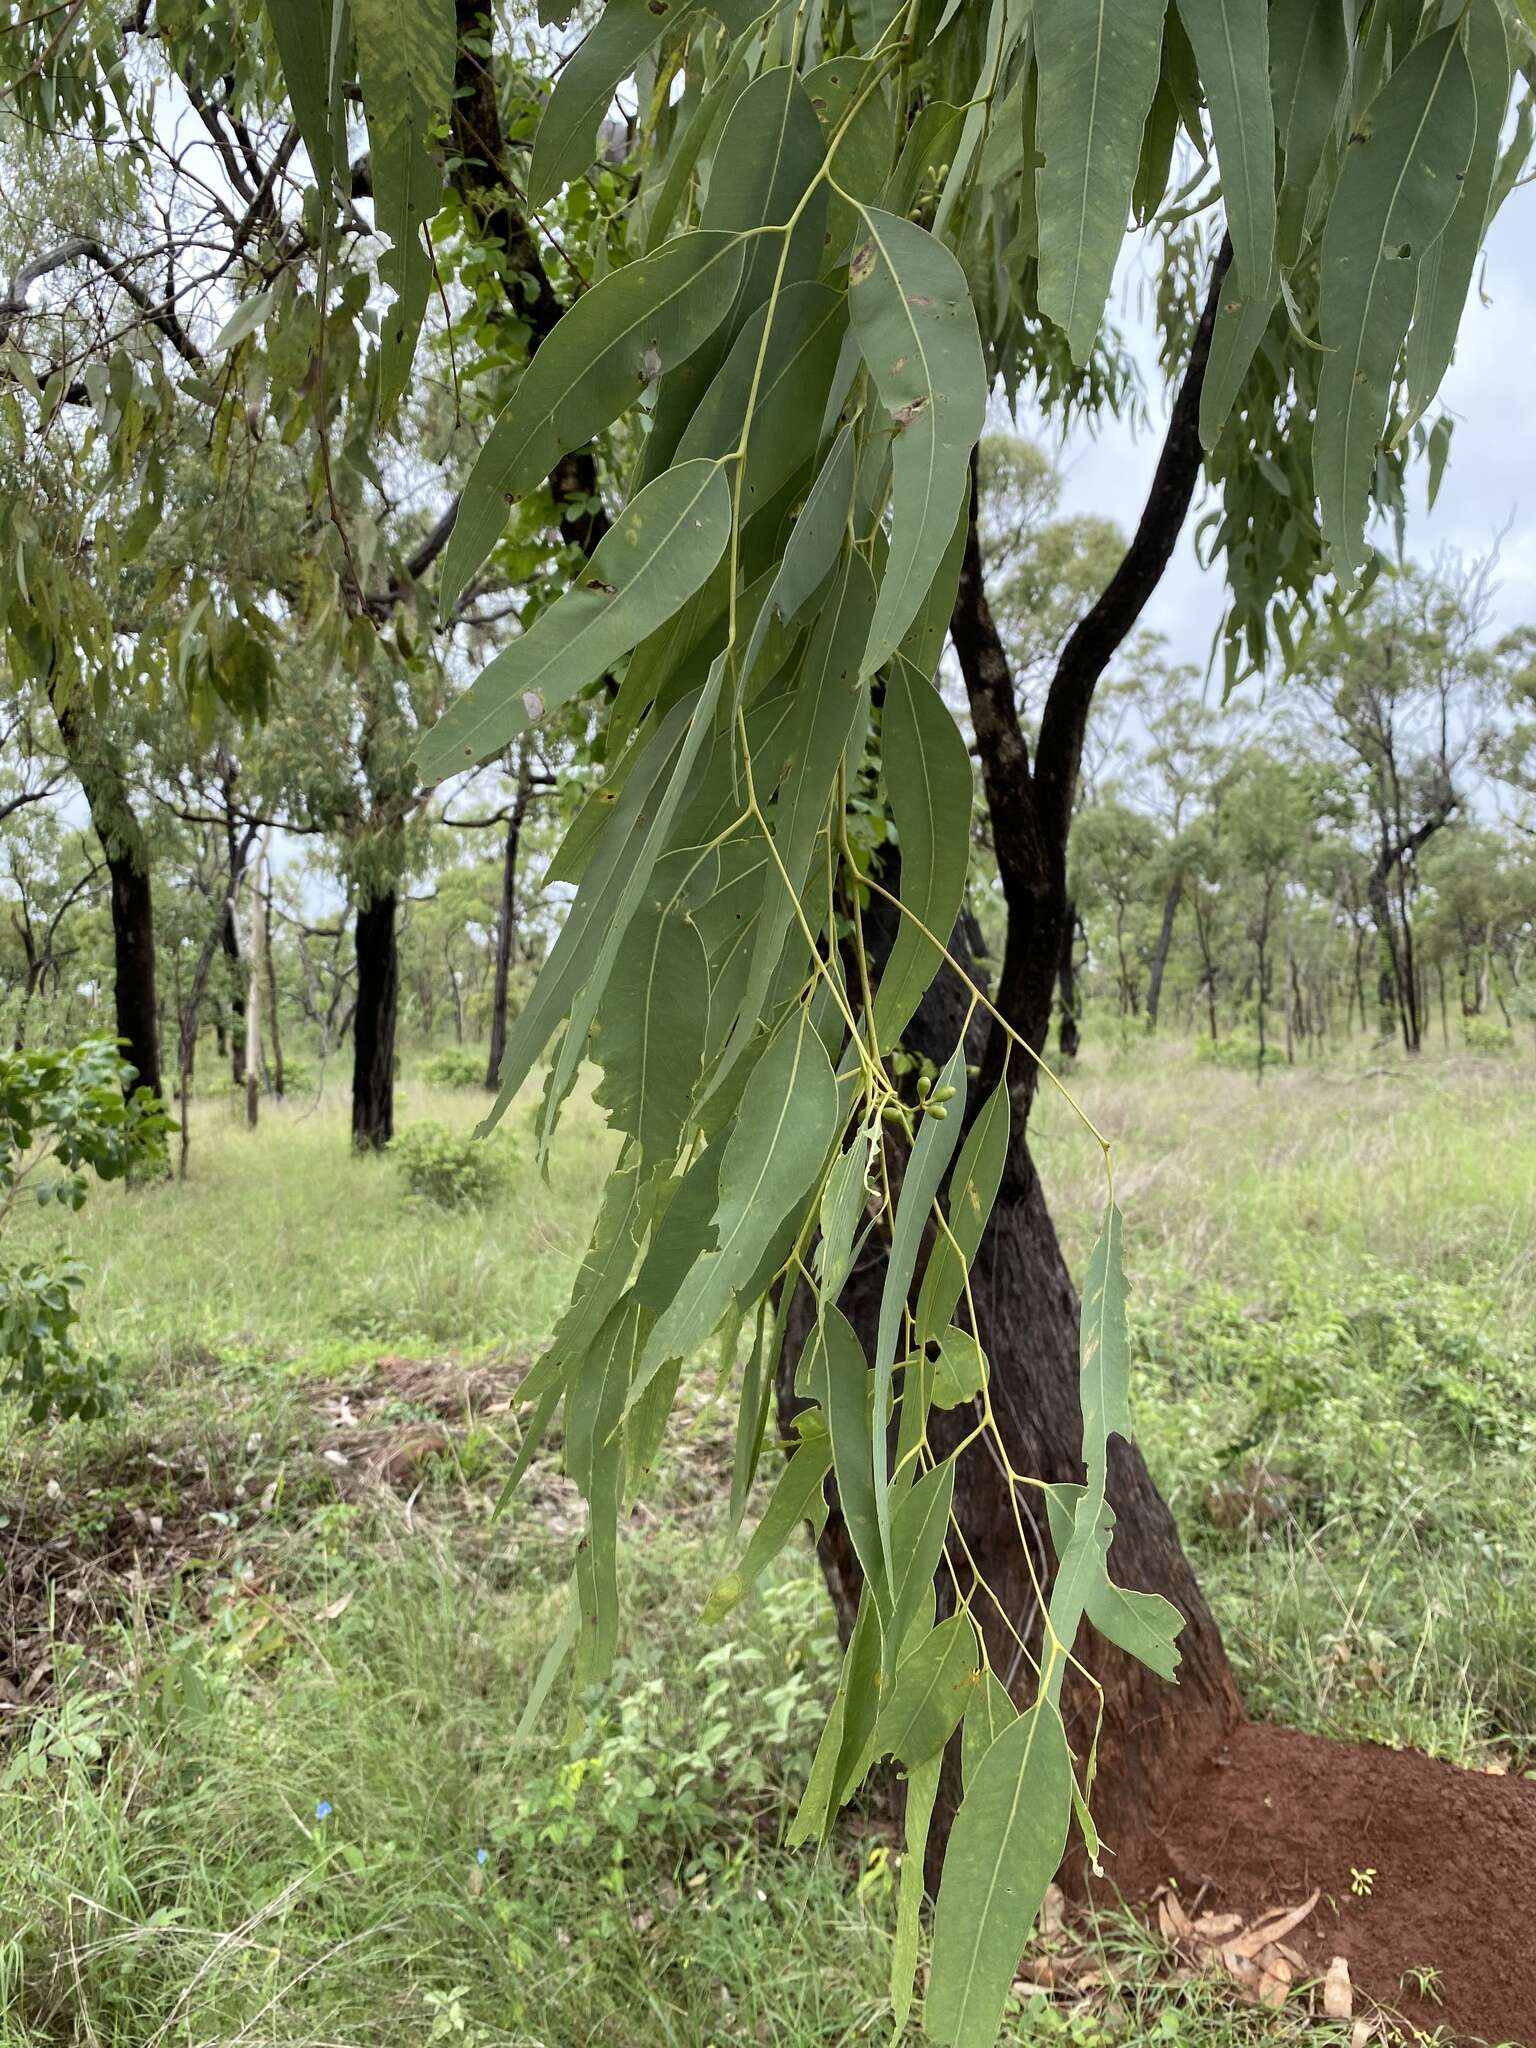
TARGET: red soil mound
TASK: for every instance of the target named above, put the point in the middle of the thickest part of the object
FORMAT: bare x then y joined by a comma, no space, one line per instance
1453,1857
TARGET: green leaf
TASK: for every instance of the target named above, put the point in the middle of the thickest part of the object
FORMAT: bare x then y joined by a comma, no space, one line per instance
1105,1362
960,1370
618,338
1004,1848
916,329
809,322
1144,1625
931,1154
929,147
1398,188
989,1713
798,1497
767,155
921,1526
405,52
250,314
582,935
928,779
1231,45
840,1369
787,1120
566,142
1445,276
594,1458
1242,319
652,1030
842,1209
1309,68
922,1792
646,567
1098,73
973,1189
640,858
933,1688
303,31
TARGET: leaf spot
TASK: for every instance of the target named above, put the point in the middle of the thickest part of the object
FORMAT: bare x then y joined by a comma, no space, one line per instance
597,583
533,704
651,364
863,263
906,414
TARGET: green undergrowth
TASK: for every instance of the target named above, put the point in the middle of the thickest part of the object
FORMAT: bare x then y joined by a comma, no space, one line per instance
266,1647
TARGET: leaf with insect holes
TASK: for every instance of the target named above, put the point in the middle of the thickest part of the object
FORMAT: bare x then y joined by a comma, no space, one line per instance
600,357
1396,192
1098,73
661,548
405,53
916,329
1004,1848
928,779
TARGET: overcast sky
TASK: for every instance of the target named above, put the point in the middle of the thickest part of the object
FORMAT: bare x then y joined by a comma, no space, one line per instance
1490,480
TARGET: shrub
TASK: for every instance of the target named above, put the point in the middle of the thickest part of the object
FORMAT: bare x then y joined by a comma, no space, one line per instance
1486,1034
63,1117
454,1067
452,1169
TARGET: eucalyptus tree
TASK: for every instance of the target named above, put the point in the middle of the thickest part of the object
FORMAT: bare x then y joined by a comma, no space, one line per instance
1408,690
846,223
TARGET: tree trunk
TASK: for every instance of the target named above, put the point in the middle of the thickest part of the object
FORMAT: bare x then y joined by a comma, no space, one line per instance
1162,949
373,1025
269,973
506,929
137,1013
1068,1036
1028,1309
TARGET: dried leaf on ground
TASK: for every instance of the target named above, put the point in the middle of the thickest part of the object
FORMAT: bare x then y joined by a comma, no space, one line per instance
1338,1992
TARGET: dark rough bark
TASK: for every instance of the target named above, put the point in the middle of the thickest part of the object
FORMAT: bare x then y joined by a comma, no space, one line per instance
1069,1037
137,1012
1162,949
133,967
1024,1294
373,1026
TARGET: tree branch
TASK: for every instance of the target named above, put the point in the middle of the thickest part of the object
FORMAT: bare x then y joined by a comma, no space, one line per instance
1102,630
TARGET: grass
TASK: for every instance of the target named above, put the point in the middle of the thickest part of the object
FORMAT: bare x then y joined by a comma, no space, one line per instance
265,1789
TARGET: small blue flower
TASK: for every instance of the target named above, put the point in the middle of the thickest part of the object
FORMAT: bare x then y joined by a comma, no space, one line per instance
323,1810
482,1855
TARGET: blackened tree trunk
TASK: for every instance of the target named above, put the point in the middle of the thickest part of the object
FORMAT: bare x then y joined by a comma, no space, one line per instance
506,927
1162,949
133,966
1069,1037
1024,1295
373,1024
100,774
